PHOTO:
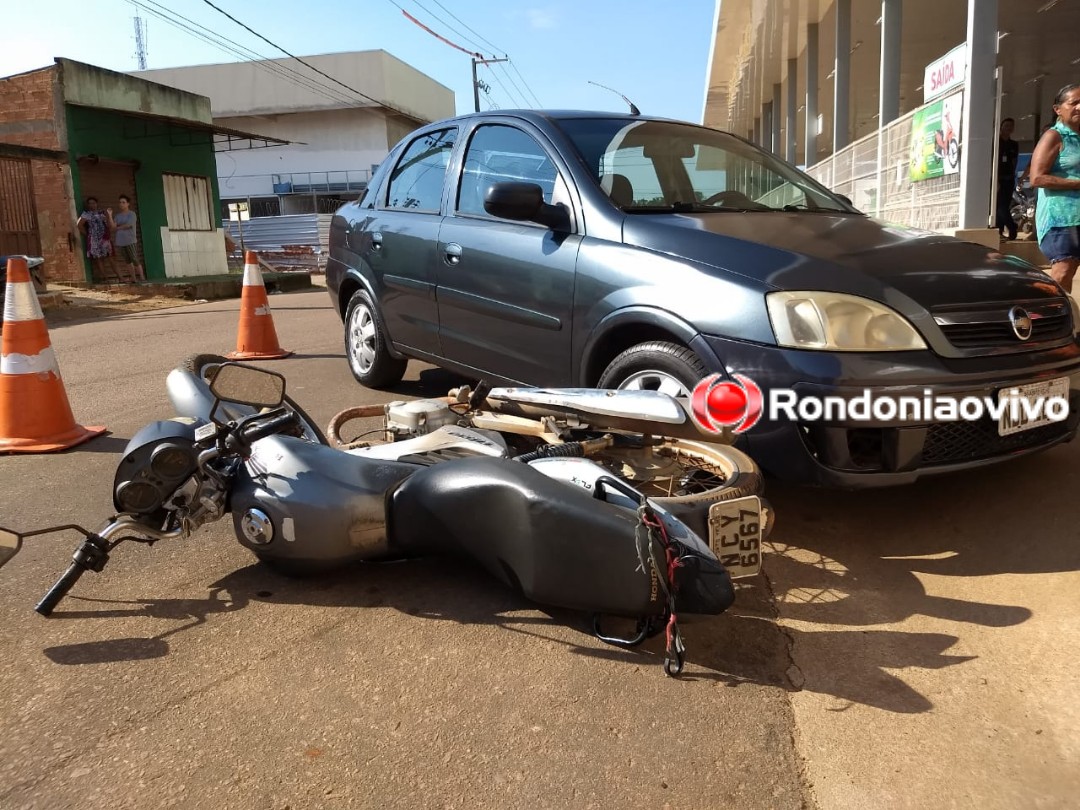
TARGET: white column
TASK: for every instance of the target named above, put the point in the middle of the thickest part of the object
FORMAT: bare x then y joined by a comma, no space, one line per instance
842,75
777,118
792,108
810,147
979,135
889,87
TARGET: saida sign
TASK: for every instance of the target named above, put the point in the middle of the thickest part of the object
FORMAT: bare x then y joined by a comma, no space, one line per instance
945,74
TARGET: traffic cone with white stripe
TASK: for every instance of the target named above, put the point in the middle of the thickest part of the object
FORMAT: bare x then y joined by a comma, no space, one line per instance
257,339
35,416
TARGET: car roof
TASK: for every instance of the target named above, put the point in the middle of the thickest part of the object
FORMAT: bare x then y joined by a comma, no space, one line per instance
539,115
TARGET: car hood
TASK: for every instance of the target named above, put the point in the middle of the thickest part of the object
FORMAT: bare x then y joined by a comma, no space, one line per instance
842,253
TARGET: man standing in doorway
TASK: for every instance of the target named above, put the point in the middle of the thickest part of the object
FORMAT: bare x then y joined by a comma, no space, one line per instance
127,249
1008,156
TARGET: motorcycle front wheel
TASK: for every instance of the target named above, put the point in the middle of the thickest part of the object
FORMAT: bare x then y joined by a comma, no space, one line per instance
678,471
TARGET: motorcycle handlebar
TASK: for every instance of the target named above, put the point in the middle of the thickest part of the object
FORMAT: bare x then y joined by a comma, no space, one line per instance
269,428
58,591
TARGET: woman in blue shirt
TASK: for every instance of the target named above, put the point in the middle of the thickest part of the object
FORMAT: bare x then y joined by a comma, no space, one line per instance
1055,172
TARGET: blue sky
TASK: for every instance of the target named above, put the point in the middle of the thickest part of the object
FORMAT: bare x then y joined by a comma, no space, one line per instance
653,51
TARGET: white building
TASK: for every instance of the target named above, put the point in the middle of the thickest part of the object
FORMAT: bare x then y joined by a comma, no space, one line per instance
336,135
858,90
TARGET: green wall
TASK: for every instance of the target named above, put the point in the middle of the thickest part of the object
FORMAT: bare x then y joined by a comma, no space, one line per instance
157,148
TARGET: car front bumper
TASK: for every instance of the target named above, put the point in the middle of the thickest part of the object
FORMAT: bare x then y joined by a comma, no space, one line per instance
855,453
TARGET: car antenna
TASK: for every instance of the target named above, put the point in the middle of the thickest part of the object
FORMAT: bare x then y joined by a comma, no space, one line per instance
633,107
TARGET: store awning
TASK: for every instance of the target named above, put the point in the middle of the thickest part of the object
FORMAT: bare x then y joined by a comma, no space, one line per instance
185,132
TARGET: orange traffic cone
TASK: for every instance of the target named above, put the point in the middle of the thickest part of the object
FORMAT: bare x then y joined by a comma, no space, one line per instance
257,339
35,416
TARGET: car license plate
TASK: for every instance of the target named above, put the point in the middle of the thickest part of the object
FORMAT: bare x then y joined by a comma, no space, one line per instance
1032,416
735,535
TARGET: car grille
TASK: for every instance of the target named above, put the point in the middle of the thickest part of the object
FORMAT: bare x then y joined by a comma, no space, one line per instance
988,327
953,442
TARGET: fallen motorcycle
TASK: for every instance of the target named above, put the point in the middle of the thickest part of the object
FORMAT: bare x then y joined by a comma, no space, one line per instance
239,445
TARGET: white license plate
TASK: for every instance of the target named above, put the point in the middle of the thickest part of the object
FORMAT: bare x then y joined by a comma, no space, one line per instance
735,535
1032,415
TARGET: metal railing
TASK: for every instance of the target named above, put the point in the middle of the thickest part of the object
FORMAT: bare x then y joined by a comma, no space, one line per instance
874,172
325,182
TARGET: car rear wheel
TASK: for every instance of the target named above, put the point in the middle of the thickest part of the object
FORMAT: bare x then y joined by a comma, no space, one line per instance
655,366
365,345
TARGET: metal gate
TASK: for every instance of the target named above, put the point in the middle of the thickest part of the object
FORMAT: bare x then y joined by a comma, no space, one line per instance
18,214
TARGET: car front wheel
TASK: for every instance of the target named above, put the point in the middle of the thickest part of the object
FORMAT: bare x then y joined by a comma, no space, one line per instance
655,366
365,345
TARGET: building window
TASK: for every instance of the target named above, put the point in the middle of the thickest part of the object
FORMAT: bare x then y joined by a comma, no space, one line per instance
187,202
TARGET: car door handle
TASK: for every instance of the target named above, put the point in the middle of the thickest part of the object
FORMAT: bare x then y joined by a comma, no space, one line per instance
376,240
452,252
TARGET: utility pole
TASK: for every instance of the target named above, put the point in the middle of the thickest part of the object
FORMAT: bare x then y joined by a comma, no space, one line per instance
476,83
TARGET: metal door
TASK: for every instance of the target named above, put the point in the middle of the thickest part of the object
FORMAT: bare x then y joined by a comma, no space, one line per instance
18,214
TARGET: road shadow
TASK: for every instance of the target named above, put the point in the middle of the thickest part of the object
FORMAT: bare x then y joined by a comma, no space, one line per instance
742,647
853,559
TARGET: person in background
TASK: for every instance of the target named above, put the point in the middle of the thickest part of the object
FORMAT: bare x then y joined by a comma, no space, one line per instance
1008,155
1055,172
96,228
127,249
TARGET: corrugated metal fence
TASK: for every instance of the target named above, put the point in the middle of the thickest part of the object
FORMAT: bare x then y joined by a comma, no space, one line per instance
298,239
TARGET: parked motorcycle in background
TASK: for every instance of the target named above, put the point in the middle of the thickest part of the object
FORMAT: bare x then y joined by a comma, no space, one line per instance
1023,208
557,526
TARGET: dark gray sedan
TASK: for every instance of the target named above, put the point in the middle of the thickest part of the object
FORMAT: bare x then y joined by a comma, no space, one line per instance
621,251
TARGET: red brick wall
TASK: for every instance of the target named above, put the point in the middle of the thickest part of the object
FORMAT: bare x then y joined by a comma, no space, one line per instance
56,221
29,108
28,117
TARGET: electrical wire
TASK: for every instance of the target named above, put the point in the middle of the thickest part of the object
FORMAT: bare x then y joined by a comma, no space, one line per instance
229,46
251,30
496,49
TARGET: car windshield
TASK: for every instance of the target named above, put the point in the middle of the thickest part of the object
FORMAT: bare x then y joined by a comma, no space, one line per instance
647,166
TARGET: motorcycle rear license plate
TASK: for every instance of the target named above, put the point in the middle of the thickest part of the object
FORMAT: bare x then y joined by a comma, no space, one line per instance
735,535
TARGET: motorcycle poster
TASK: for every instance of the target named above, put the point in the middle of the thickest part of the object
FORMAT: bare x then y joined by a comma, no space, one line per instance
935,138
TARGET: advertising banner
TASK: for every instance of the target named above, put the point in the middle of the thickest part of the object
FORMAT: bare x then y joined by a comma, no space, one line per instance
935,138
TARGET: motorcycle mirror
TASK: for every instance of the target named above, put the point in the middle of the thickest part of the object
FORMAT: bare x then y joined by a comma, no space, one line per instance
246,385
10,543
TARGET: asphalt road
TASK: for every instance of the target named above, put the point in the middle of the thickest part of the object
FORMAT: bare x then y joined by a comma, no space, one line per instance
908,648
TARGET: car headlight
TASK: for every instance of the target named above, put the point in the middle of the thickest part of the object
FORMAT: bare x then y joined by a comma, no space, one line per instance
838,322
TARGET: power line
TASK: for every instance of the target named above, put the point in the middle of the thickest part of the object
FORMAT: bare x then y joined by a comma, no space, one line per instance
496,48
474,42
498,81
309,66
262,62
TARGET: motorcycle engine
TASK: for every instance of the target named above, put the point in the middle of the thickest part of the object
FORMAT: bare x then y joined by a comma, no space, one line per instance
418,417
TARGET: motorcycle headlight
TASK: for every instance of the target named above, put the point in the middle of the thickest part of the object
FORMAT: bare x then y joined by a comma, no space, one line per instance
837,322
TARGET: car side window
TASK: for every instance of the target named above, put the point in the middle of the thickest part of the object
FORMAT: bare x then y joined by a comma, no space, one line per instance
417,181
498,153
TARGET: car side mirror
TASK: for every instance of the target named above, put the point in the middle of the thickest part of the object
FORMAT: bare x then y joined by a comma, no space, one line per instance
523,202
845,200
